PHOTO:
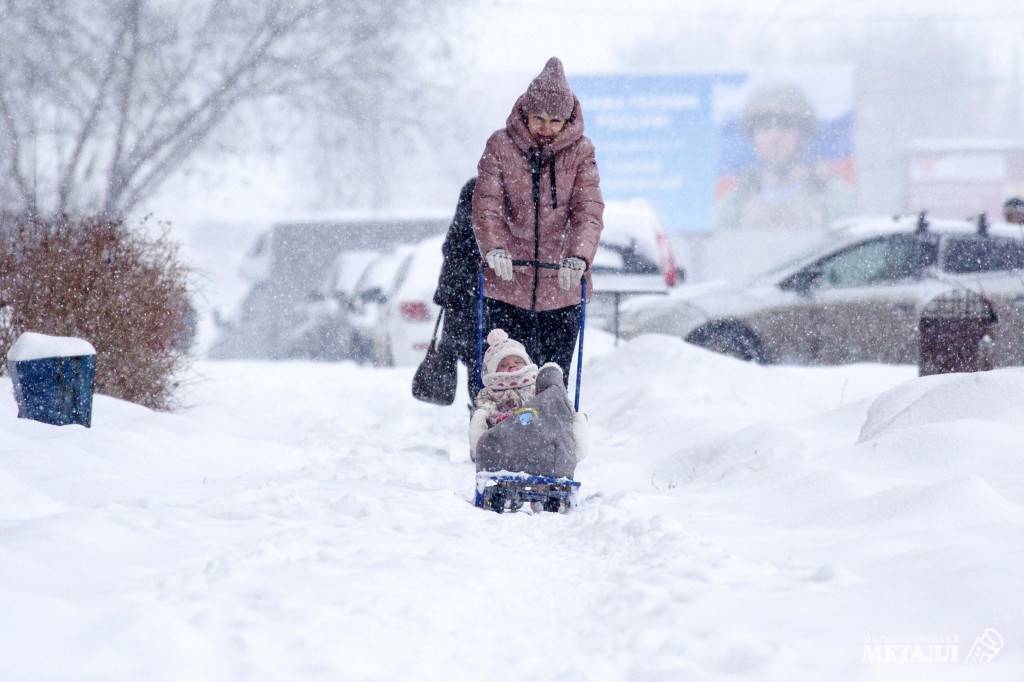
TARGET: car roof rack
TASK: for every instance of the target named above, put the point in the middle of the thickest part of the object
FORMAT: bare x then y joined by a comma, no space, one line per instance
922,222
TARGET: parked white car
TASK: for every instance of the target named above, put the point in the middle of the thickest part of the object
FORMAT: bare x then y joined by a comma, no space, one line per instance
376,289
634,257
857,297
290,264
634,252
411,310
323,330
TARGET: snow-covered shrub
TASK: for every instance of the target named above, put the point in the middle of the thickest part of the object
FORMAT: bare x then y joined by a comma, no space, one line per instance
111,284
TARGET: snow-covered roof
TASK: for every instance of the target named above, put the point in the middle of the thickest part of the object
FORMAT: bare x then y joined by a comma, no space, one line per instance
626,219
33,346
869,225
632,221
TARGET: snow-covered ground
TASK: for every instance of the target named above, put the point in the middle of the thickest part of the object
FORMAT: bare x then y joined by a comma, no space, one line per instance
310,521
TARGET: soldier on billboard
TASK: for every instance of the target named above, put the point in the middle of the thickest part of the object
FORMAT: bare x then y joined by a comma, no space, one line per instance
782,190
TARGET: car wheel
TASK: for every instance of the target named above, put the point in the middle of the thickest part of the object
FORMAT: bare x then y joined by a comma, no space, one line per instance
735,341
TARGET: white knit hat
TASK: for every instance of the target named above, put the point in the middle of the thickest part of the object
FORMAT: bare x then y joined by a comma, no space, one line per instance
499,347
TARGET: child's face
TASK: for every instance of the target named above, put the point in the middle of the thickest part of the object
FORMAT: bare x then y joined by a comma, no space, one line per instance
512,363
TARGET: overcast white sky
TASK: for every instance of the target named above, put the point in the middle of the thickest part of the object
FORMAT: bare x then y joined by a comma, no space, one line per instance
591,34
498,45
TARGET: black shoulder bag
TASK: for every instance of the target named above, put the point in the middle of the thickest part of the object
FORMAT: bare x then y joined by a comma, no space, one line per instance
438,374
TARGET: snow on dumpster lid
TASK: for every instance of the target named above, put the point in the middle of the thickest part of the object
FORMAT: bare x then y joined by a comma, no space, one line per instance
33,346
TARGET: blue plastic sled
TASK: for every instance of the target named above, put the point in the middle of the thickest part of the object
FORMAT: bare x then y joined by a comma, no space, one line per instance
503,491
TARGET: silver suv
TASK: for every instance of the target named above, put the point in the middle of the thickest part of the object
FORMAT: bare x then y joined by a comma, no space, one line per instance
858,297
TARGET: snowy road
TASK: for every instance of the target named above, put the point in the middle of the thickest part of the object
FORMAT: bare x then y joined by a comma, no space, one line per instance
310,521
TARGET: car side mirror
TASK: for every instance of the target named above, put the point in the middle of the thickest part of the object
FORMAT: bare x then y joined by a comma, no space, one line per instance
802,281
374,295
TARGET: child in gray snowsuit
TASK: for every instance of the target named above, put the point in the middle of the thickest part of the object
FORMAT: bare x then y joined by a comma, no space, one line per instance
523,421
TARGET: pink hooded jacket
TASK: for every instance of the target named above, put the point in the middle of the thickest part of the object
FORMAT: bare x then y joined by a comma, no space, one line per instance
564,220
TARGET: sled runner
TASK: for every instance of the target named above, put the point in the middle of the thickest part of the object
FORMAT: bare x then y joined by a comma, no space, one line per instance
503,491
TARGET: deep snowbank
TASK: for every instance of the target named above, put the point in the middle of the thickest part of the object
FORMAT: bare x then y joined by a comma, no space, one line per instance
309,521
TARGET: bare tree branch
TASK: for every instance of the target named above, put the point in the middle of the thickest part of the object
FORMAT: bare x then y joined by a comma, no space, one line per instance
124,105
191,126
111,97
88,126
161,167
15,142
181,78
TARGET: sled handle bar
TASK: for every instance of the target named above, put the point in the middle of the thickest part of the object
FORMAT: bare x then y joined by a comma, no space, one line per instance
536,264
583,327
531,263
479,329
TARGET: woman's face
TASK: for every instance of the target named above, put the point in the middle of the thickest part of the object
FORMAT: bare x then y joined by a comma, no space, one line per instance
544,128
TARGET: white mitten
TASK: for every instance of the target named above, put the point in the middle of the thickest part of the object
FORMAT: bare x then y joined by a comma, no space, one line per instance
581,433
569,272
477,427
501,262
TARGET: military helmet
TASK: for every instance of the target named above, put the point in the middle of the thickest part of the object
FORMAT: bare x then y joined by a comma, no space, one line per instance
1013,210
779,104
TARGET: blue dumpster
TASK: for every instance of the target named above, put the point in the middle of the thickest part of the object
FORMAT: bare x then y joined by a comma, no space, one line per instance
53,378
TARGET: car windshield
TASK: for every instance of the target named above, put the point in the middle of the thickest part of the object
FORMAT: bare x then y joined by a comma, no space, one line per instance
381,273
820,248
348,268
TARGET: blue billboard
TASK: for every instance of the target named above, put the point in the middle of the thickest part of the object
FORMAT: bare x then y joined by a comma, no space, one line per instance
724,150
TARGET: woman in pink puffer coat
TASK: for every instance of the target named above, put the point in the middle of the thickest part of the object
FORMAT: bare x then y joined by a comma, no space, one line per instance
538,199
